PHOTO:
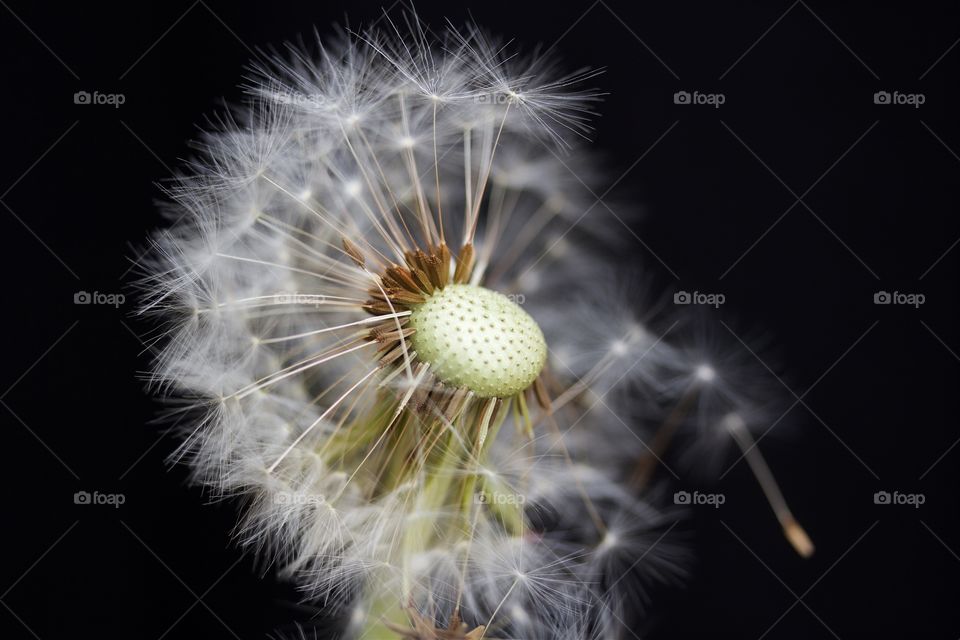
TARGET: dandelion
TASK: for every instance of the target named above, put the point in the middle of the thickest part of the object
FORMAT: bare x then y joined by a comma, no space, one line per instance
382,321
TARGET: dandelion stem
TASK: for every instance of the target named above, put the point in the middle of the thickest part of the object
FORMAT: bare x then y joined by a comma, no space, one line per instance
794,533
650,459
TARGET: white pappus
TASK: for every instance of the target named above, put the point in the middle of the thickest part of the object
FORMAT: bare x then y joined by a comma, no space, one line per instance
386,322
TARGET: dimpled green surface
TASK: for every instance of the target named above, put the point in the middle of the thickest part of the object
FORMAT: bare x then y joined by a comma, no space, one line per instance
479,339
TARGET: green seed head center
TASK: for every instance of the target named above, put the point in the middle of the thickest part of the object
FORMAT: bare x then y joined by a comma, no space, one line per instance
479,339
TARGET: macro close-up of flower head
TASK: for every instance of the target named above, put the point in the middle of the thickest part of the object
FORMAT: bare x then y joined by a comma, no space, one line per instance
393,339
506,321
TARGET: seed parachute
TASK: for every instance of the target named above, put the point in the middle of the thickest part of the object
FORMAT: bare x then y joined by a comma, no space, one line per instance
388,323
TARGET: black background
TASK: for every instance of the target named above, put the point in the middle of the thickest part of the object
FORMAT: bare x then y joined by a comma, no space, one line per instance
799,79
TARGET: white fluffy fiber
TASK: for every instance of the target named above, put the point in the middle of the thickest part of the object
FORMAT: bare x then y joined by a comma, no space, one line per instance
251,271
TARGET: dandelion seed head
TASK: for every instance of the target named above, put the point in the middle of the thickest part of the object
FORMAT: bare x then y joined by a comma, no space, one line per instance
619,348
705,373
352,188
610,540
478,339
337,324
